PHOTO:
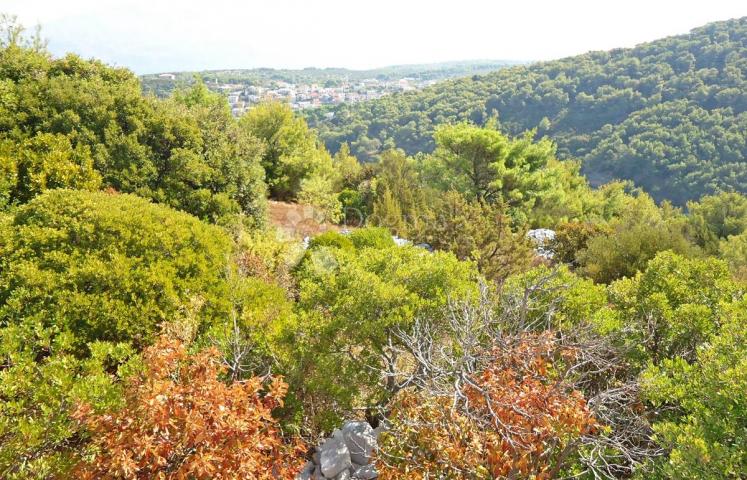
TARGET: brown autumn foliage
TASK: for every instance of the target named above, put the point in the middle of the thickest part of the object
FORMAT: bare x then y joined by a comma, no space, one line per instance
514,419
181,421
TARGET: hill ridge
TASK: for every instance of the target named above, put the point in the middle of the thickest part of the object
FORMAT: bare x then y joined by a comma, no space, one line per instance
669,114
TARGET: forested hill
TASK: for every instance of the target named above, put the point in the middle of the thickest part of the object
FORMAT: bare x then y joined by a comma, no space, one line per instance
669,114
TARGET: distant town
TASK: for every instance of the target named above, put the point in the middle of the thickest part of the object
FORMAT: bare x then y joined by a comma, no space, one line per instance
314,87
302,95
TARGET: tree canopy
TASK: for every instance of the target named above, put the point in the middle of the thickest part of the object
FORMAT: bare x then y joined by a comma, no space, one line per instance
69,122
669,115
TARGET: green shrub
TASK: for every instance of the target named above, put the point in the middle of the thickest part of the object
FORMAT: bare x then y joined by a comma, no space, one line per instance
332,239
351,301
372,237
107,267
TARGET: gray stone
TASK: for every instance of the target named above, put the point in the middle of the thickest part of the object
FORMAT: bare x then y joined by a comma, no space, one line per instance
542,238
360,440
401,242
318,473
425,246
334,456
306,472
365,472
344,475
541,235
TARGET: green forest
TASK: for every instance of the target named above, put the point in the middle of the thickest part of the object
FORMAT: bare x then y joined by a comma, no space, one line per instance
157,323
668,115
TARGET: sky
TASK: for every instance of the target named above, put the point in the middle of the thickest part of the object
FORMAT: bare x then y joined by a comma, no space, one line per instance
151,36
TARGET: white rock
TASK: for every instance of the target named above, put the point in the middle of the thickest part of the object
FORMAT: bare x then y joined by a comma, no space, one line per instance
360,440
542,237
344,475
401,242
365,472
334,456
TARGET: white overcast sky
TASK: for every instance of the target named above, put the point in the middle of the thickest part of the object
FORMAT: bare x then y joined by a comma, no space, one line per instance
158,35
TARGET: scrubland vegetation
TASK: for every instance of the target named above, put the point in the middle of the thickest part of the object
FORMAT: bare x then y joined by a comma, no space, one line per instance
154,324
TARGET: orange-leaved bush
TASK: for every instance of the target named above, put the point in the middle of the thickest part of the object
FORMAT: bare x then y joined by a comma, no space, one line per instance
516,418
181,421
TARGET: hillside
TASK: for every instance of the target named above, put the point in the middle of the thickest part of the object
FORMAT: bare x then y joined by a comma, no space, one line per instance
669,115
180,296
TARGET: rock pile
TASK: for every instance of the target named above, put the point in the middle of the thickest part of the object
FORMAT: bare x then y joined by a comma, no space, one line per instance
542,238
346,455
